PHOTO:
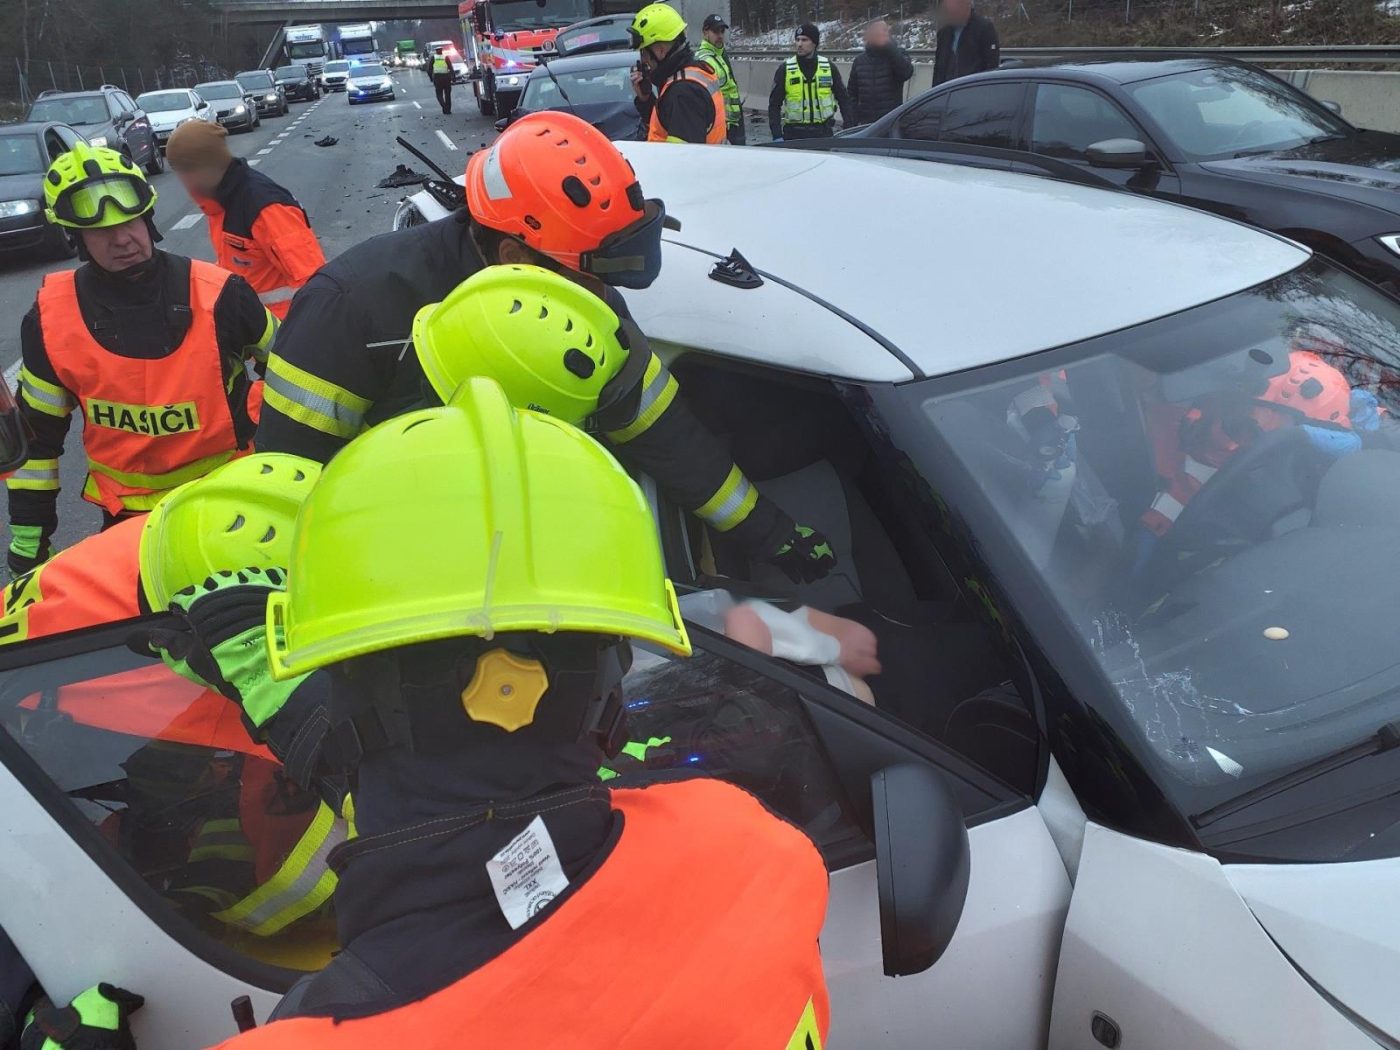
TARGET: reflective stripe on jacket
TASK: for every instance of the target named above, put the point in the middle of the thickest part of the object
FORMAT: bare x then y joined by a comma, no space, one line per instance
441,66
700,868
714,57
719,126
809,101
149,425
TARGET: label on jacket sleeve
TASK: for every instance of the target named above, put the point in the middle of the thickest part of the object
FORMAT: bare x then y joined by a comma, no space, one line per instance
526,874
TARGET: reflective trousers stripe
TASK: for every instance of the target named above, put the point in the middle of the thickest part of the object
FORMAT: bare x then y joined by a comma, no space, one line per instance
301,885
36,475
312,401
44,396
160,484
659,389
729,506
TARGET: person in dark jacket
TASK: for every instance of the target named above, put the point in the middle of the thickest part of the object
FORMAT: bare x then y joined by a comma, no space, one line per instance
967,43
807,91
878,76
258,229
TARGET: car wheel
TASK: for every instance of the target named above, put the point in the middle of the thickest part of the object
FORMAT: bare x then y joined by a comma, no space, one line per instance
488,108
156,164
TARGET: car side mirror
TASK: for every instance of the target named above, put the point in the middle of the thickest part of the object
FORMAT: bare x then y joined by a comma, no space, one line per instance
1335,107
922,864
503,123
1120,154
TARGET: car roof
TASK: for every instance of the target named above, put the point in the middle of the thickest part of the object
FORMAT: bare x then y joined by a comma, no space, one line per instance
29,127
954,267
216,83
589,60
1113,67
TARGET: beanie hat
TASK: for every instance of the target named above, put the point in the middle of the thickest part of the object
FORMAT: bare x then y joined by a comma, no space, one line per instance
810,31
198,144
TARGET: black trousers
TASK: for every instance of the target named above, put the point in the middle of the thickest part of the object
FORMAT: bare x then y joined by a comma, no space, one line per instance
737,134
442,84
809,131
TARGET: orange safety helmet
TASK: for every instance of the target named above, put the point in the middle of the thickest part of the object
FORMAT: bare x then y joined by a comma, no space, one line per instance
1312,388
560,186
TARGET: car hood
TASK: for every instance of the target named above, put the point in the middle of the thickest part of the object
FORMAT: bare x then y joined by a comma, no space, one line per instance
226,105
1338,925
1364,167
22,187
167,121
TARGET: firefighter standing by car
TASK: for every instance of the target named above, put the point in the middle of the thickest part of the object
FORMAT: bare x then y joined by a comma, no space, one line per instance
151,347
807,92
711,52
554,192
491,864
440,70
258,229
679,98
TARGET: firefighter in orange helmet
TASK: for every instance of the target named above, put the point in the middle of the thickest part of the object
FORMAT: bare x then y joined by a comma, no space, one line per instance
552,191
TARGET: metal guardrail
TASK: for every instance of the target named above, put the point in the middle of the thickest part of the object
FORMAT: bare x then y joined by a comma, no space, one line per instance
1341,55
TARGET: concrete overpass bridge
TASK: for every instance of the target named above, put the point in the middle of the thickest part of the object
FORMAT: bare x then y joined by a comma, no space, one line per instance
284,12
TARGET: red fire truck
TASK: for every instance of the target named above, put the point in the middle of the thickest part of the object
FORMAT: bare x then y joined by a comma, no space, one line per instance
505,39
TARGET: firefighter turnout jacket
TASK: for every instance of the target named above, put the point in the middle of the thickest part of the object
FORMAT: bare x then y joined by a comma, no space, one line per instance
689,102
157,366
698,929
343,363
262,234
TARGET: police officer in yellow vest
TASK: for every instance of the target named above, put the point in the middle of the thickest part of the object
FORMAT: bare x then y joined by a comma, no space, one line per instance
149,348
678,97
711,52
440,69
807,91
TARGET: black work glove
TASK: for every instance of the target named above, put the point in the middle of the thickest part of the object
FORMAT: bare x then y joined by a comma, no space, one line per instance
98,1019
805,556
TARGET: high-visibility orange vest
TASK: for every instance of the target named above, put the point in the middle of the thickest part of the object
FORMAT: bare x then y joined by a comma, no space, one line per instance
719,128
148,425
698,932
92,582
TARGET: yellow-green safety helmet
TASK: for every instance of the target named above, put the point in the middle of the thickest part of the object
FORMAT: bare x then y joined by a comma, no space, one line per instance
239,516
551,344
656,24
92,186
472,519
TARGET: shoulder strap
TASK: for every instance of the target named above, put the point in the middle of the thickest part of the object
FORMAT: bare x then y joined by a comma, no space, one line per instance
178,272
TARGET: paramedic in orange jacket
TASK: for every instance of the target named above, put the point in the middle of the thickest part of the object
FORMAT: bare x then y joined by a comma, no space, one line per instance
259,230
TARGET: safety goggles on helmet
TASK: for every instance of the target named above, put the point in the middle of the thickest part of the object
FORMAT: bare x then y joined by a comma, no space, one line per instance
106,200
631,257
621,398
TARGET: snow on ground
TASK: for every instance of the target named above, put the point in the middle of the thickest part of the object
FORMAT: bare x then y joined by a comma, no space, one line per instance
837,35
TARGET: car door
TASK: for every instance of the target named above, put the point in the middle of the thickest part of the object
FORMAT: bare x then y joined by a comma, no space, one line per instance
1064,120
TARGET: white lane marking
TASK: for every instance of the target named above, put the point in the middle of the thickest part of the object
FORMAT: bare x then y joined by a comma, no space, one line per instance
416,105
447,141
12,372
264,152
280,137
187,221
255,162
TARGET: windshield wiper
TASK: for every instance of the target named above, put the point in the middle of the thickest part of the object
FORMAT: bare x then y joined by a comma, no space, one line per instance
1386,738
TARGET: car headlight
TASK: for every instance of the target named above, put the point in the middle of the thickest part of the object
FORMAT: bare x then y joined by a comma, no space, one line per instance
9,209
272,96
240,109
511,81
97,140
1391,241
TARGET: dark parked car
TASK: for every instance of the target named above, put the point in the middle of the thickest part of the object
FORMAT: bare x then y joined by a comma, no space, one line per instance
596,87
267,94
105,116
297,83
234,108
1215,134
26,151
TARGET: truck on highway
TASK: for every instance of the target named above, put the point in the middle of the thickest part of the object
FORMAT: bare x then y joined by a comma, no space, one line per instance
406,52
506,39
306,46
357,42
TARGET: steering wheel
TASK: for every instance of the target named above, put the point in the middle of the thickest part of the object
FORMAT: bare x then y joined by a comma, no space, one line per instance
1257,488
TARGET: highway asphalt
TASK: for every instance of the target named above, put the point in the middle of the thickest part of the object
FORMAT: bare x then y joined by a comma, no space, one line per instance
335,184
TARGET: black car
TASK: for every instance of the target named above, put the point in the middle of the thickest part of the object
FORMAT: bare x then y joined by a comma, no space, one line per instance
26,151
105,116
596,87
1216,134
297,83
267,94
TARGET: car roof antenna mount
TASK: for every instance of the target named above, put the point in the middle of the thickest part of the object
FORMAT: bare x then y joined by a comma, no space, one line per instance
736,271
